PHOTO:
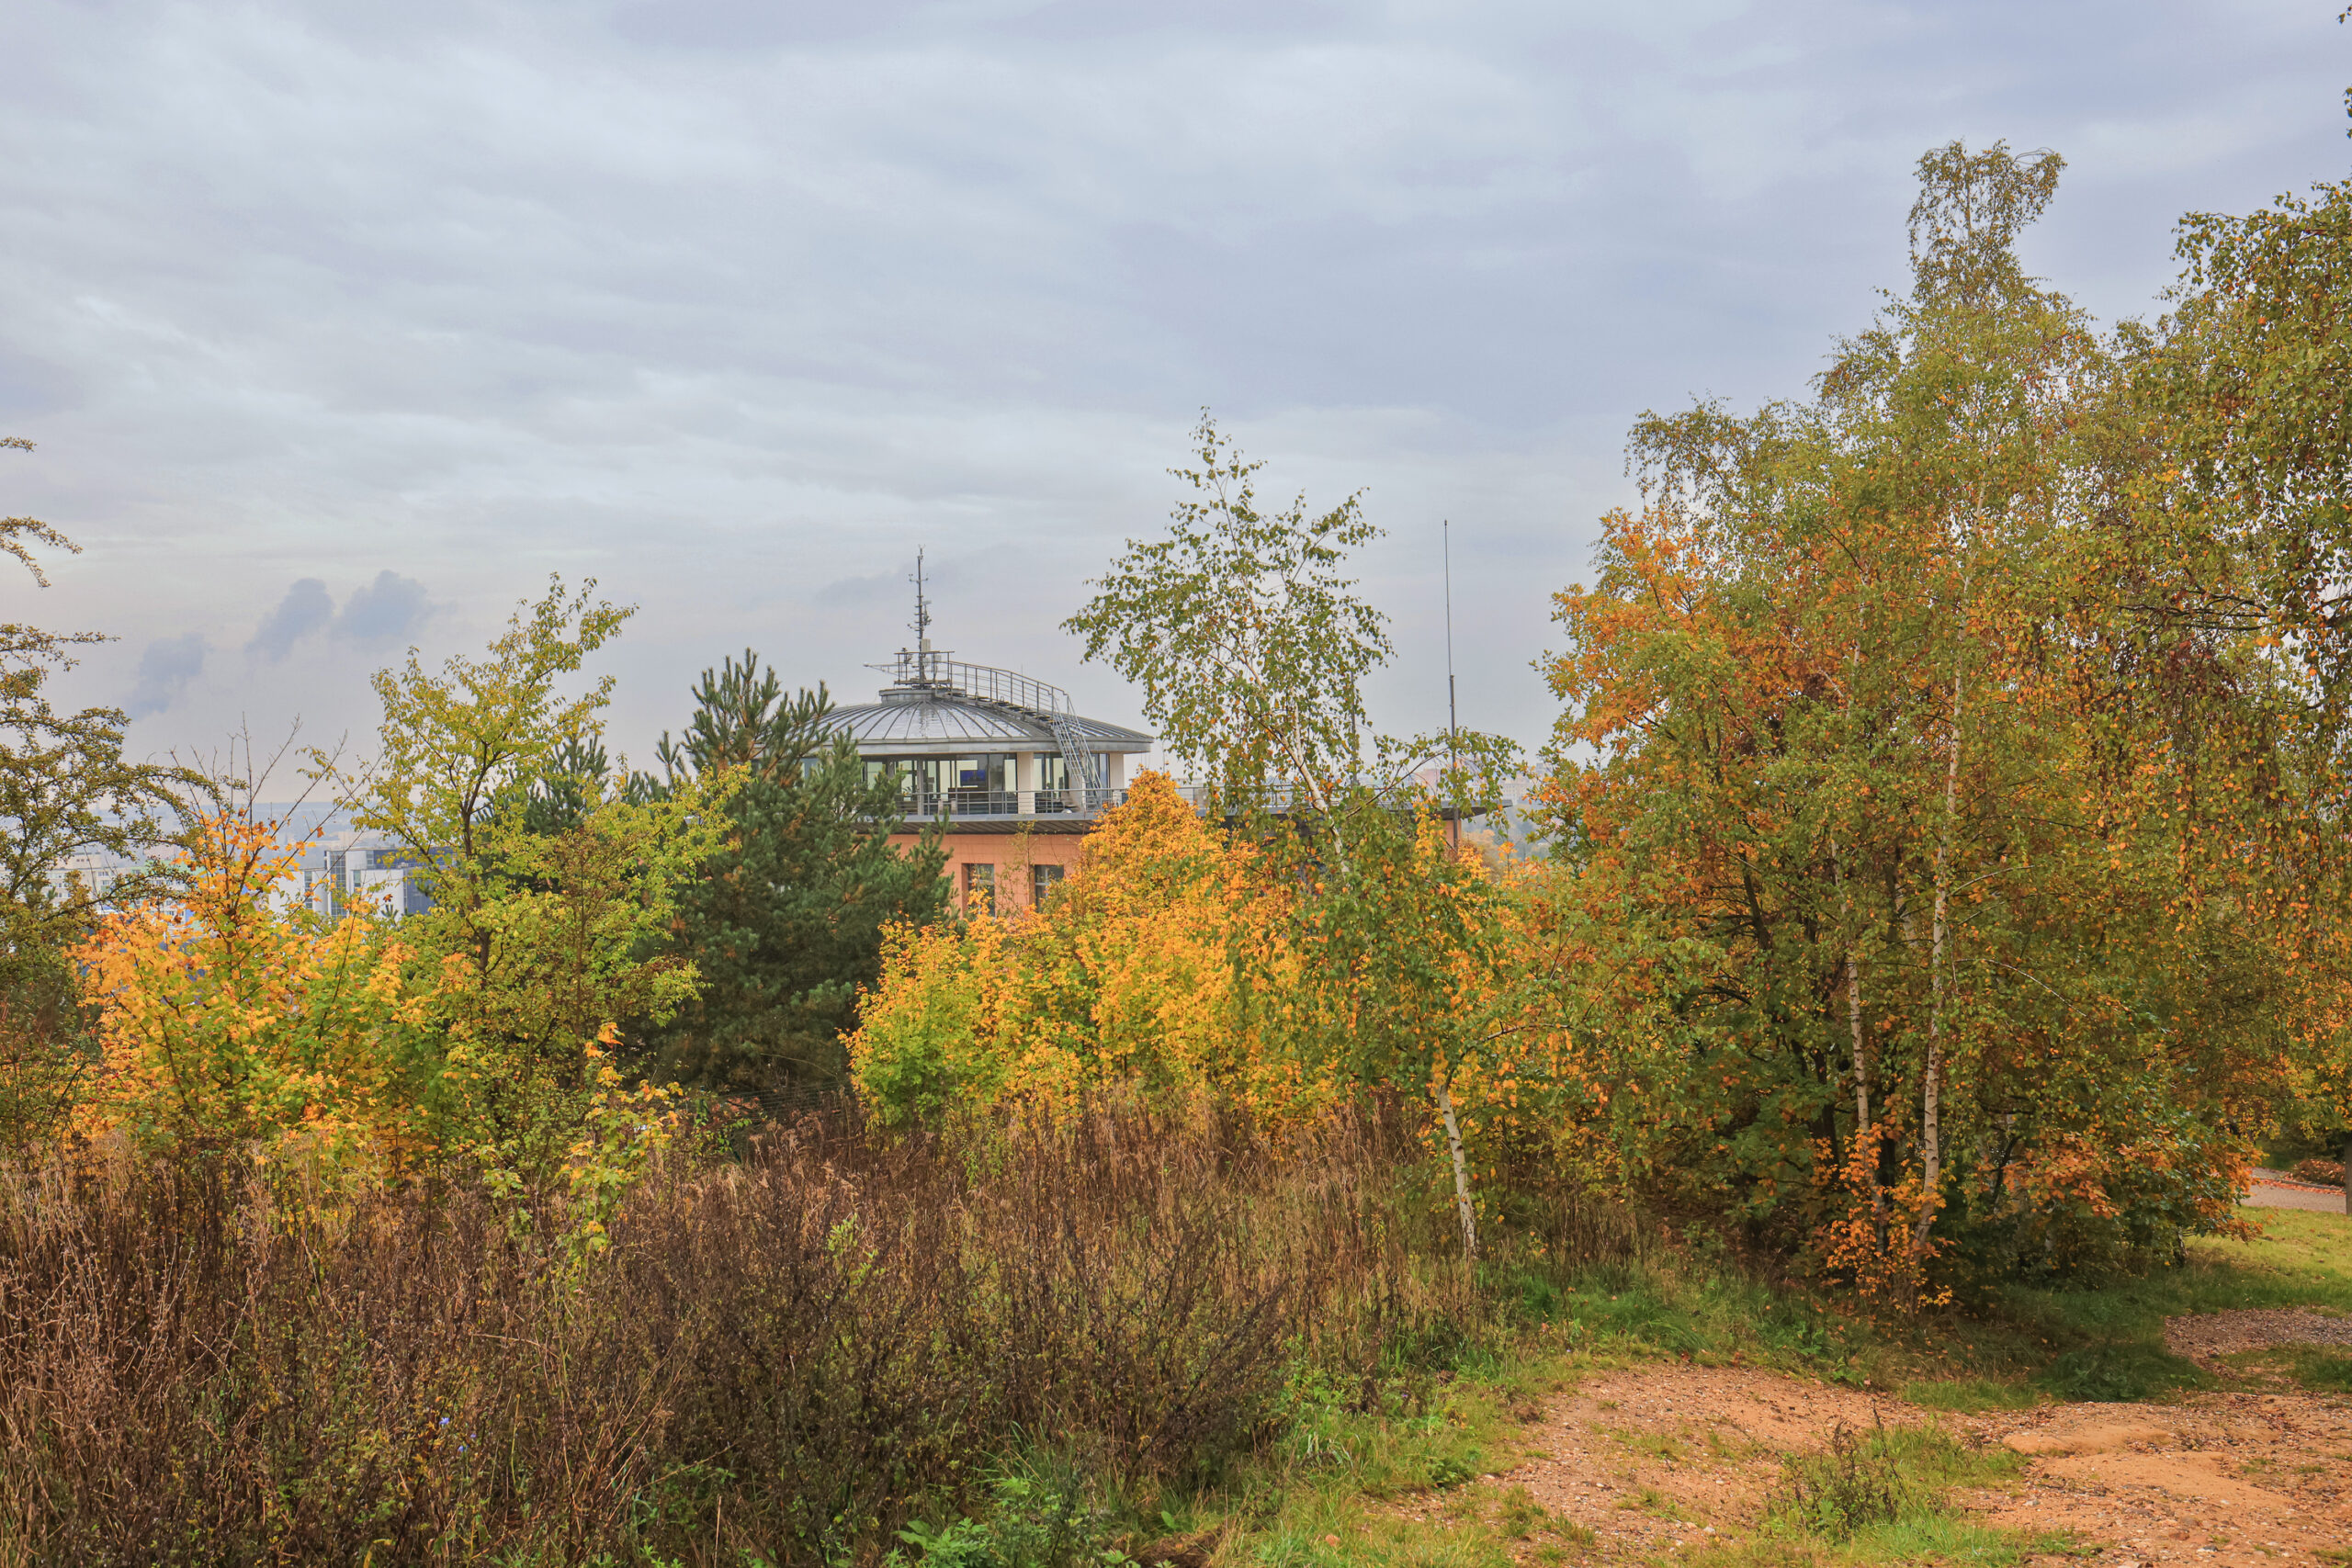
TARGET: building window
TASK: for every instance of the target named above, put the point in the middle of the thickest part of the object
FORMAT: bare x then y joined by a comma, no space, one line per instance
979,886
1042,879
988,774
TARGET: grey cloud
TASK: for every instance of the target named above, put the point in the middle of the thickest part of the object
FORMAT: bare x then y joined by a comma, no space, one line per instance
390,610
31,385
856,591
305,609
166,671
755,24
885,600
723,301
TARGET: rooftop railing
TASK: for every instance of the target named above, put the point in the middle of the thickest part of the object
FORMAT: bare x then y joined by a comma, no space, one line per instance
981,682
926,805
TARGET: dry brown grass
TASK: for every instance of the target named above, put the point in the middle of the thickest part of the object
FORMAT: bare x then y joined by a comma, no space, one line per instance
780,1359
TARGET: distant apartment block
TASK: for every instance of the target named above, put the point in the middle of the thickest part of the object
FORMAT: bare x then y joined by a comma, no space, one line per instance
349,872
336,875
92,874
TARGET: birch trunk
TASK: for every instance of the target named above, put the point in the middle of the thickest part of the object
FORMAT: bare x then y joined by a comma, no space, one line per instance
1861,1052
1861,1045
1853,997
1461,1169
1931,1091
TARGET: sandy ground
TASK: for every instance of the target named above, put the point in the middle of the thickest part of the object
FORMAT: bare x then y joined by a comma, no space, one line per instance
2224,1478
1679,1456
1659,1460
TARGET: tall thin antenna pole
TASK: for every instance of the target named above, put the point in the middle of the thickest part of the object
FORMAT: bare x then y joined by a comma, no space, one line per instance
922,623
1452,756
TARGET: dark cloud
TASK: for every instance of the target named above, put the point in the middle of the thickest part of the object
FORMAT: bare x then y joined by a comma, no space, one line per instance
166,670
390,610
305,609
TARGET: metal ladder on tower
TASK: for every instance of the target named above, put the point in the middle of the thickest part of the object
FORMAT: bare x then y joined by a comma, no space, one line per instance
1083,767
1087,770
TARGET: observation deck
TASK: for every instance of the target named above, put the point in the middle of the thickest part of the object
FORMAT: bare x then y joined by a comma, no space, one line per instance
989,748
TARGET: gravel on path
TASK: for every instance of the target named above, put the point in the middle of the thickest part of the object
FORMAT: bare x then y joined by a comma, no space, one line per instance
2275,1189
2253,1328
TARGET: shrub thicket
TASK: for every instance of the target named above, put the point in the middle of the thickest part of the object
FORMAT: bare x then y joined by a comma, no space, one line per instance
789,1357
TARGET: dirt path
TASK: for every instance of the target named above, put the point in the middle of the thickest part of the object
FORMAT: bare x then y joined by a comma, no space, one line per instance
2223,1479
2275,1189
1679,1456
1660,1458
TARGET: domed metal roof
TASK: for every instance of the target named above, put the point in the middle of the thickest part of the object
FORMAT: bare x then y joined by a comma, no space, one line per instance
887,727
936,703
918,721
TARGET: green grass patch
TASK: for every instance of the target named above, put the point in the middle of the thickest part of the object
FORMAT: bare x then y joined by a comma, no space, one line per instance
2103,1339
1968,1396
2314,1368
1882,1495
2328,1372
1943,1539
1711,1312
2299,1259
2122,1372
1349,1539
1343,1481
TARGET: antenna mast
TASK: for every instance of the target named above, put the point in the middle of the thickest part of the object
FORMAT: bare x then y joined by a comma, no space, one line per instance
922,623
1452,758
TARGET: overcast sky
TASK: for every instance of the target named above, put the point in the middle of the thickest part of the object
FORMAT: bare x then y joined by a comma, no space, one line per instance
339,327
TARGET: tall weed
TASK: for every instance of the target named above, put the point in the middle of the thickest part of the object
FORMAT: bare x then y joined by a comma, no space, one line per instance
789,1358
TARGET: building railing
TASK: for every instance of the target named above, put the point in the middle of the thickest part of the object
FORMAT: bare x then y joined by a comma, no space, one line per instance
981,682
927,806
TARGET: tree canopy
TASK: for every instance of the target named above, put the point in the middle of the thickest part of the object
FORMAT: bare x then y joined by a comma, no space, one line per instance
786,923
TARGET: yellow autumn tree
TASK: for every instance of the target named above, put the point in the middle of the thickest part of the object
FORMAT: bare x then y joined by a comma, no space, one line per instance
234,1022
1137,973
232,1018
1189,958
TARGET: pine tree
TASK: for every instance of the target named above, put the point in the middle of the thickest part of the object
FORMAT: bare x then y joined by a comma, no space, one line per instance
786,922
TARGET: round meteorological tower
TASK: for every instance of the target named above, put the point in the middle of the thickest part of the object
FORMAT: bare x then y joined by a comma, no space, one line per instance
1008,770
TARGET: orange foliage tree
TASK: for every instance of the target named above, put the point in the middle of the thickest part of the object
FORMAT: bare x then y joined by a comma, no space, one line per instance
1932,895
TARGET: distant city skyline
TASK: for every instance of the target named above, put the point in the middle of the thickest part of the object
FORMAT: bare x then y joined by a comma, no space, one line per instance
340,330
